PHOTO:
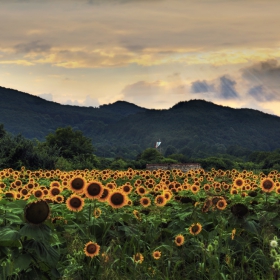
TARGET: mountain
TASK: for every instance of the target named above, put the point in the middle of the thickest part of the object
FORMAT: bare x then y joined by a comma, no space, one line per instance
193,127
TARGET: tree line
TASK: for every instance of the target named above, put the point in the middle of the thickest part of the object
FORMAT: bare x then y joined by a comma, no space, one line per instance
68,149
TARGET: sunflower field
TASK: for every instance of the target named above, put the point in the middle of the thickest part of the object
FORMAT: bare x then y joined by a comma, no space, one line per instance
139,224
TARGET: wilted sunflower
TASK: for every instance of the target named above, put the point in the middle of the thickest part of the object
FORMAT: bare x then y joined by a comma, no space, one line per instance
138,258
160,200
195,229
156,255
145,201
137,215
91,249
77,184
75,203
37,212
179,240
239,210
117,199
267,185
94,190
97,212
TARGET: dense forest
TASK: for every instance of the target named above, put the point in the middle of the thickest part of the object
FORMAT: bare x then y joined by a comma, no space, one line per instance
193,129
68,149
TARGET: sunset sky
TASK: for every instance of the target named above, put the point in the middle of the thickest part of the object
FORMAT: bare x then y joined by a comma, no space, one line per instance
153,53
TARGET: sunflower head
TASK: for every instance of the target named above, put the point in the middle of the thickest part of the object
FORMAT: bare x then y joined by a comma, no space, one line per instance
91,249
156,255
37,212
179,240
138,258
267,185
75,203
117,199
195,228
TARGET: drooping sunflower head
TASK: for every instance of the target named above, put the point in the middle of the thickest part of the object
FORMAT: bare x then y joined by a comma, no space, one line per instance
195,229
97,212
91,249
138,258
179,240
37,212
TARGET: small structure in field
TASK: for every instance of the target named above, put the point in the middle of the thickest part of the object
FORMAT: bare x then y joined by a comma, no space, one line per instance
169,166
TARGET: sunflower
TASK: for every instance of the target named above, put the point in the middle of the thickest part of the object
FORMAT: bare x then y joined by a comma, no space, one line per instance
206,187
77,184
97,212
59,198
91,249
277,190
239,210
233,191
117,199
37,212
38,193
145,201
55,184
138,258
267,185
195,229
127,188
140,190
105,194
54,190
75,203
156,255
221,204
195,188
160,200
137,215
238,182
179,240
94,190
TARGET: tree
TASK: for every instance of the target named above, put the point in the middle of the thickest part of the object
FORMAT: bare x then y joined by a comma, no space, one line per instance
71,144
151,155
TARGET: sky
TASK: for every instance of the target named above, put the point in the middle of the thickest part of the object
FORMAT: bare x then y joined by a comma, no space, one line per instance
153,53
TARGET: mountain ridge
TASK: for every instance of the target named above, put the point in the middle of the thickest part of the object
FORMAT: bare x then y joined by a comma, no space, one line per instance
198,125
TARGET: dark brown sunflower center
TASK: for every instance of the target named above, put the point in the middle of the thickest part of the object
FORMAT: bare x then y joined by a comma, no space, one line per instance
55,191
91,248
94,189
145,201
239,182
117,199
141,190
126,188
77,183
38,193
267,185
195,228
75,202
104,194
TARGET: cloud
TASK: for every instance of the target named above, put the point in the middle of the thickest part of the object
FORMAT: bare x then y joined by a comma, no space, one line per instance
46,96
32,47
263,78
201,86
87,102
262,94
227,88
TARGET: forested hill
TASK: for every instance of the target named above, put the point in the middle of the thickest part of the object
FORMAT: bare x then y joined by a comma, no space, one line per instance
193,127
